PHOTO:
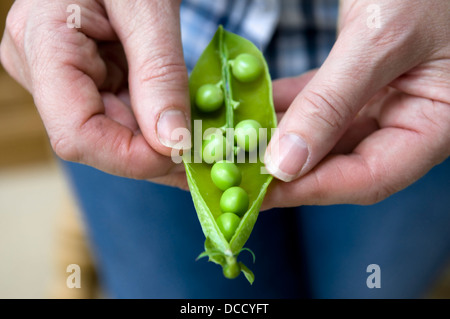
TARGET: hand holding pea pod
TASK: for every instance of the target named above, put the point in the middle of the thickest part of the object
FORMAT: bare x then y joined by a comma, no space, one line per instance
107,92
230,90
374,117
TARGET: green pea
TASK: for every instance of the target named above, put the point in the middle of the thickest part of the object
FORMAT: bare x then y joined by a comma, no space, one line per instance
209,98
246,134
234,200
228,223
215,148
246,67
225,175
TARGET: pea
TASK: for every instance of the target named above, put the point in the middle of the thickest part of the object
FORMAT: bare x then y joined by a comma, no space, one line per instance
219,191
209,98
246,67
225,175
228,223
234,200
246,134
215,148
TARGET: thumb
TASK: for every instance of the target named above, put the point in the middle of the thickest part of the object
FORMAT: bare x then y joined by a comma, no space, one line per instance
356,68
151,36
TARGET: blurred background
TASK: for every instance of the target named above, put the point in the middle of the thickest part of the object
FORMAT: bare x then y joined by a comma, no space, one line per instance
41,231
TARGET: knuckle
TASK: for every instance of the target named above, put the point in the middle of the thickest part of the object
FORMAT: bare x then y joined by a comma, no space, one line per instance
386,36
377,194
317,189
80,50
15,25
325,109
65,148
162,68
375,186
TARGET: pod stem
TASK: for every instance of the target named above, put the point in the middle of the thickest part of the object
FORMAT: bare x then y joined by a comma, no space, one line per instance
230,104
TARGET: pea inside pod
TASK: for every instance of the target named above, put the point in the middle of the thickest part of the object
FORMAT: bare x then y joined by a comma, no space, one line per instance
228,223
246,134
246,67
209,98
225,174
228,193
234,200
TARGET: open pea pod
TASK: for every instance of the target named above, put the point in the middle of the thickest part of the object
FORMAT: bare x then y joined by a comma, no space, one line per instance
244,92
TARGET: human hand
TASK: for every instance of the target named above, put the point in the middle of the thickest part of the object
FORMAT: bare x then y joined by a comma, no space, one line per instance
109,93
374,118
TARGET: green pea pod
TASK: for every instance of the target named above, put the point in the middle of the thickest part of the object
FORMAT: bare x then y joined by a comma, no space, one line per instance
242,100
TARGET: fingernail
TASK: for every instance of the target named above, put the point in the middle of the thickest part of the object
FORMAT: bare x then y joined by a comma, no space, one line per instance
168,122
286,157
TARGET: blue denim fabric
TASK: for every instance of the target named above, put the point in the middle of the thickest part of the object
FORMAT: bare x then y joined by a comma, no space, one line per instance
407,235
146,237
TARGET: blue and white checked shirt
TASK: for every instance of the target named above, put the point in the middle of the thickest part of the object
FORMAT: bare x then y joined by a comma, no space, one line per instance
294,35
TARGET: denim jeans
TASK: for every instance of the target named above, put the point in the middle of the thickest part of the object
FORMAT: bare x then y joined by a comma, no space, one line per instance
146,237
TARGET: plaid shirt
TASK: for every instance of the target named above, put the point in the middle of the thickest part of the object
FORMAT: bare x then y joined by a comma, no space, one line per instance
295,35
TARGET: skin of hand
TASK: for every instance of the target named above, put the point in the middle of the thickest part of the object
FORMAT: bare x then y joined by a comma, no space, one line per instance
374,118
109,93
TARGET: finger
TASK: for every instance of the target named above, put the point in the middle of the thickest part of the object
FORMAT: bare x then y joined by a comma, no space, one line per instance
359,65
385,162
13,62
359,129
118,111
116,66
175,178
285,90
65,77
81,131
151,36
351,179
124,96
93,19
12,55
62,44
178,180
114,80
